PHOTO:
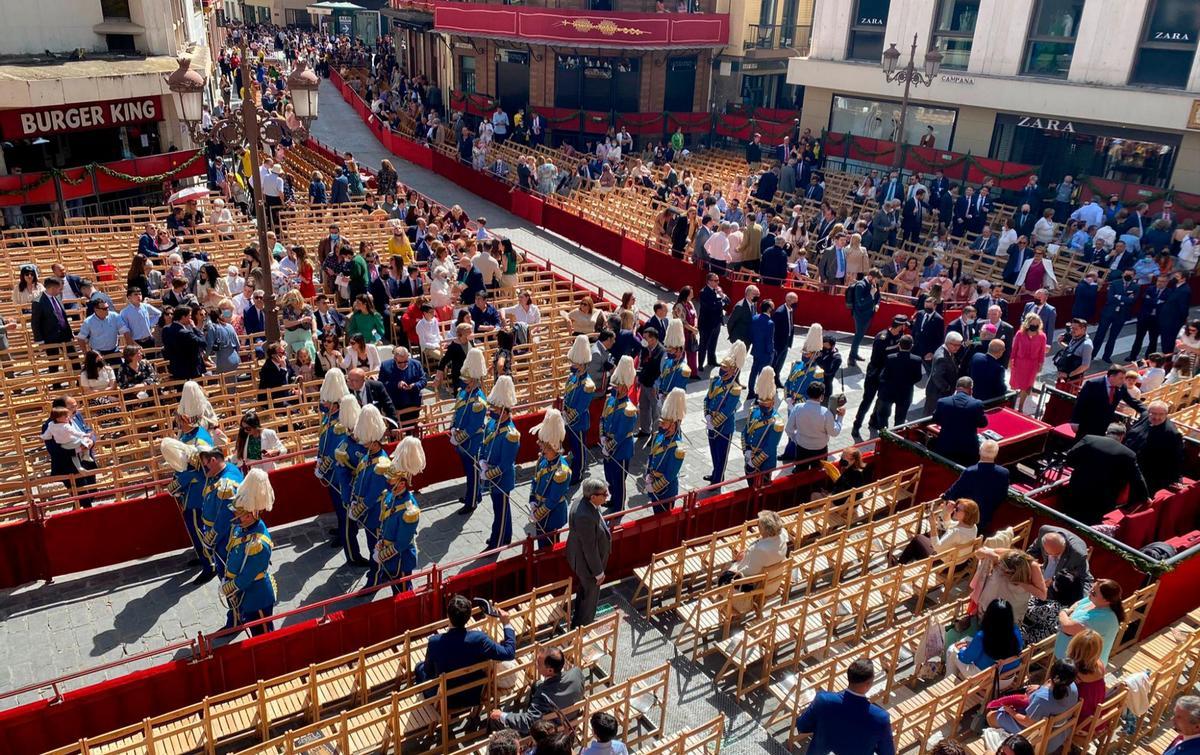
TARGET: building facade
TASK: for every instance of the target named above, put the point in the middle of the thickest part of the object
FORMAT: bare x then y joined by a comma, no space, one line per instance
1100,88
751,71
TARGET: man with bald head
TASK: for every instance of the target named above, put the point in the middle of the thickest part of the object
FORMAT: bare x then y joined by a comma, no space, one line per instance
1158,445
369,391
985,483
1063,556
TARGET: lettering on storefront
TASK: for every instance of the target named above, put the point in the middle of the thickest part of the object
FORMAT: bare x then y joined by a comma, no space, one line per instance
1046,124
954,78
1173,36
871,21
81,117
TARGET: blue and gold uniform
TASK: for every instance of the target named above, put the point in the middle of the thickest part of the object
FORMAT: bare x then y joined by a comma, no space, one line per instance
217,513
548,497
674,374
397,550
328,440
346,457
618,429
249,587
802,373
187,488
466,435
720,406
371,494
498,462
576,399
760,438
662,468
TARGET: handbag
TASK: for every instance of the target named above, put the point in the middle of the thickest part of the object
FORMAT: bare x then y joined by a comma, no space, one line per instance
979,720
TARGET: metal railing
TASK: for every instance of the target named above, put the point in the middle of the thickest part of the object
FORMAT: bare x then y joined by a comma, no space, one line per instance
777,37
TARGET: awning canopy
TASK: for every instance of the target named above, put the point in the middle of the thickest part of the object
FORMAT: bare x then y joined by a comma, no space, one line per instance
329,6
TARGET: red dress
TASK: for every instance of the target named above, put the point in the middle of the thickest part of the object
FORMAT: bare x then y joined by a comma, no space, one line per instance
1028,353
307,289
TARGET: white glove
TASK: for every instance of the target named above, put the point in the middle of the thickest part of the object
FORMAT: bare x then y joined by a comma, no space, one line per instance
747,457
375,555
483,466
708,422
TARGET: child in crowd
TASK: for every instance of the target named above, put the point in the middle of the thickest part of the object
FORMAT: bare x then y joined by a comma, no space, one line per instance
64,432
604,729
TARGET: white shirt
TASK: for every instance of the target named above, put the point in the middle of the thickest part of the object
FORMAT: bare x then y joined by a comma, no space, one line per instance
1043,230
531,316
269,441
350,361
810,426
439,293
1153,378
1108,234
717,247
272,185
735,243
429,333
236,283
1007,239
765,552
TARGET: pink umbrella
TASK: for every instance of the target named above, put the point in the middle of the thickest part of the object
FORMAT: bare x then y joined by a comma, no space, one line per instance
189,194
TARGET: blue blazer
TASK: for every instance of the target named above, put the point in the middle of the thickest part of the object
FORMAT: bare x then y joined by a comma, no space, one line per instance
762,337
459,648
988,375
1184,748
846,724
960,416
785,333
985,483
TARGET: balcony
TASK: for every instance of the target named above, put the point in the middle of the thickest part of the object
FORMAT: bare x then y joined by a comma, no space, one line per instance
774,40
569,22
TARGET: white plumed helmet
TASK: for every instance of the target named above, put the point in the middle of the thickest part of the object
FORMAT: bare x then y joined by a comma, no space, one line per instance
255,493
408,459
504,393
552,430
764,387
370,427
475,368
333,387
736,356
674,338
624,374
675,405
814,340
176,453
348,410
194,404
581,350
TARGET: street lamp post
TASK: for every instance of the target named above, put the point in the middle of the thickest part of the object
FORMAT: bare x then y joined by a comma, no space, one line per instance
909,75
253,127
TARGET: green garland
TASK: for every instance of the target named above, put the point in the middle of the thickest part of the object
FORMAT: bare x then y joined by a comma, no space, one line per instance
1151,199
91,168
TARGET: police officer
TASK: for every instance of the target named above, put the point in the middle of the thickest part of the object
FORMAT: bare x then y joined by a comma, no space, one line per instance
333,388
720,406
577,397
498,458
804,371
760,438
551,480
247,585
675,371
618,429
886,343
371,493
395,553
466,429
346,455
666,453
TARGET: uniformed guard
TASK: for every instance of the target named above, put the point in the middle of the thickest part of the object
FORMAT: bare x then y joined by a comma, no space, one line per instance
618,430
760,438
248,586
551,480
804,371
675,371
720,407
498,458
346,455
666,453
221,481
333,388
395,554
371,493
577,397
196,420
466,430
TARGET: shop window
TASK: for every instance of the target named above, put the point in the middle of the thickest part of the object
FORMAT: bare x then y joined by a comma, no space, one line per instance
867,27
1168,45
953,31
590,82
880,119
115,8
1052,37
120,43
466,73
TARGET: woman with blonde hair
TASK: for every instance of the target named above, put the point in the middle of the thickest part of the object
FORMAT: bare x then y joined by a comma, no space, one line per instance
1011,575
1084,650
858,262
1028,354
583,318
296,318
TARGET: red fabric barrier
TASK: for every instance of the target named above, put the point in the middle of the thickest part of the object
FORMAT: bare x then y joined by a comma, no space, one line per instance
985,167
1178,511
734,126
646,124
527,206
691,123
22,553
504,579
634,543
633,253
777,114
773,131
596,122
1176,595
561,118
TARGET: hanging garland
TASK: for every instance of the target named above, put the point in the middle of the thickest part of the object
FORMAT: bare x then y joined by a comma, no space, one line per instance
554,120
57,173
1150,198
37,183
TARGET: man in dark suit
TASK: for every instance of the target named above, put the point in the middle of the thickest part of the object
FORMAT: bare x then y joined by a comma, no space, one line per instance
944,370
928,331
986,242
986,300
1101,468
945,205
710,317
1158,445
383,289
914,217
1065,555
959,419
458,647
815,191
994,314
1041,307
966,324
768,182
658,320
1122,293
784,332
848,722
741,315
404,378
47,316
982,207
369,391
558,690
411,285
762,340
984,482
1173,312
987,370
901,373
1150,299
863,296
1119,260
754,151
649,368
1018,254
1096,404
937,187
890,189
1030,196
1024,220
962,219
327,318
589,542
184,346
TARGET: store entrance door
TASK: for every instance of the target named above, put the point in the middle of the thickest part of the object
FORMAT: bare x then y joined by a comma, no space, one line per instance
512,81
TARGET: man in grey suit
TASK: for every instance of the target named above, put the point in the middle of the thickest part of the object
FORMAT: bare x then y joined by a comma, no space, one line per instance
557,691
588,545
1064,556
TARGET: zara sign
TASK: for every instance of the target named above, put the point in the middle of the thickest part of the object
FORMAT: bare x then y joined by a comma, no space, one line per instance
1046,124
